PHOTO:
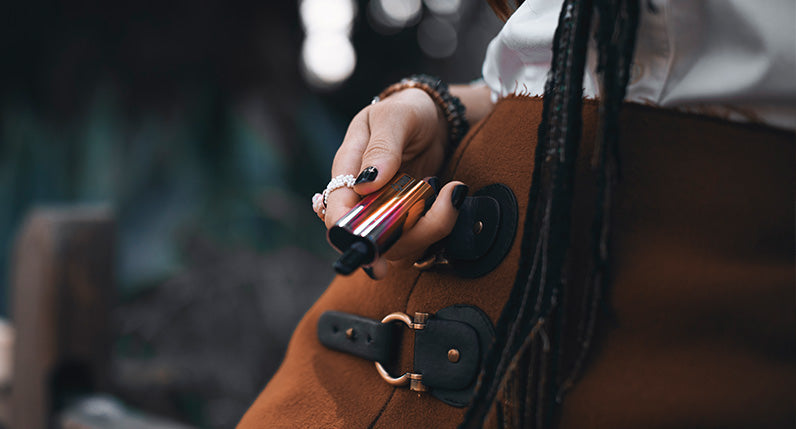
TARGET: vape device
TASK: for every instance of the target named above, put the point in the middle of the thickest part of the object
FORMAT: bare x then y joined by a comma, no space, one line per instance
375,224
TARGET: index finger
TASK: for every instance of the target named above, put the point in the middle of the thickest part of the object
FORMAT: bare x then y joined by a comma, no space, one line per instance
390,124
346,161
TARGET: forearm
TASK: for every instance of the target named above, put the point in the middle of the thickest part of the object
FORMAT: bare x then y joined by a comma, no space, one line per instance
476,99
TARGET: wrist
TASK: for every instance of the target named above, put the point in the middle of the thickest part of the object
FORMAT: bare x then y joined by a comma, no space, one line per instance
451,107
425,108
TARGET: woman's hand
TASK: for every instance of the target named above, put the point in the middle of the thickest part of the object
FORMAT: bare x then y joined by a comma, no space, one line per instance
405,131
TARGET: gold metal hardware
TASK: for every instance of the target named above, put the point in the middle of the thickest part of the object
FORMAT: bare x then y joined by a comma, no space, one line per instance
453,355
478,227
395,381
420,320
430,262
414,381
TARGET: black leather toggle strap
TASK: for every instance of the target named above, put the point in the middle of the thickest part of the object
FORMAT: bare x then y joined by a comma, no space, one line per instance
483,234
448,351
432,345
366,338
477,213
453,382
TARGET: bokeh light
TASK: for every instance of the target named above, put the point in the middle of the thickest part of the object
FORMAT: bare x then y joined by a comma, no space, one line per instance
437,37
327,59
327,56
327,15
395,14
443,7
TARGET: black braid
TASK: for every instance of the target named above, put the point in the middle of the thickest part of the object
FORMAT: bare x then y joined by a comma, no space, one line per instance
546,235
616,36
523,363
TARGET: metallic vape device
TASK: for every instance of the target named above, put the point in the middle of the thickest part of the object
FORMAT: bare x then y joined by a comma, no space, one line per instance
375,224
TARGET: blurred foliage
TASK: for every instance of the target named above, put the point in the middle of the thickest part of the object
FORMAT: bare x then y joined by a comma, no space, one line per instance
193,122
203,170
188,119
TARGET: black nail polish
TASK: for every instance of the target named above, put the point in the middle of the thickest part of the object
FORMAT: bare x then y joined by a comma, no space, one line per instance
458,195
369,272
433,182
367,175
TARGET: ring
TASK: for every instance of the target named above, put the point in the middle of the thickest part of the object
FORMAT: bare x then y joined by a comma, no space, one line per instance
317,206
320,200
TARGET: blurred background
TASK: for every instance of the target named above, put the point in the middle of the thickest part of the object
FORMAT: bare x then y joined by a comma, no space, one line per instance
177,144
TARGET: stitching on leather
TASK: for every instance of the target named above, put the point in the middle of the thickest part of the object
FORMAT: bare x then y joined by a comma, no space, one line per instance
383,407
412,289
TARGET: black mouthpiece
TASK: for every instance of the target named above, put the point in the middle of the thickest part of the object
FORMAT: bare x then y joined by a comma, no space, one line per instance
352,258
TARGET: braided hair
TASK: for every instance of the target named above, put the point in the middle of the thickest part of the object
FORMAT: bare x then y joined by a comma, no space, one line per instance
522,382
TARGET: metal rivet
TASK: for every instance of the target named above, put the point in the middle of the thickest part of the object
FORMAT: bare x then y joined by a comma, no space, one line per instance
453,355
478,227
349,333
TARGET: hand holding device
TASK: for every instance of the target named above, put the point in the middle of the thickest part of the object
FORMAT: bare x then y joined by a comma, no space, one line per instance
372,226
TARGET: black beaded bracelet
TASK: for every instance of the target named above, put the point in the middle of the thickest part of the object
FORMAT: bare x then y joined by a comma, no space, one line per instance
438,90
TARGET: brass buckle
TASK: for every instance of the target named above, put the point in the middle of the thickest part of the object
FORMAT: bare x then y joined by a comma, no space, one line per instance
415,381
430,262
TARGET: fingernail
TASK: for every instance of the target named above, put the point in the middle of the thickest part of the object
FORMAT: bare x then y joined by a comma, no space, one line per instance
369,272
367,175
434,183
458,195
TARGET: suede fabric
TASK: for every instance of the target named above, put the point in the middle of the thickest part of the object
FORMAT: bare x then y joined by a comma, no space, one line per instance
701,328
318,387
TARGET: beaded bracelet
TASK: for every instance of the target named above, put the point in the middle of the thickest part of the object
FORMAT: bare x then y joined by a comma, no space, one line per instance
438,90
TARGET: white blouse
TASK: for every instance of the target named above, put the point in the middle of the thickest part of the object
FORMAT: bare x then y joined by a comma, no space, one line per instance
729,58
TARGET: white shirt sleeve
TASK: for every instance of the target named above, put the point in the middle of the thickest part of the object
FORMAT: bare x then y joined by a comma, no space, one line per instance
730,58
518,58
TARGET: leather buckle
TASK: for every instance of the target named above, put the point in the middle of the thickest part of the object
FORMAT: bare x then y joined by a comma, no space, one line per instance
482,237
449,347
415,381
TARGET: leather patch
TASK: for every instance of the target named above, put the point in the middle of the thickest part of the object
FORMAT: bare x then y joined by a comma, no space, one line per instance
475,229
484,232
366,338
432,347
485,333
